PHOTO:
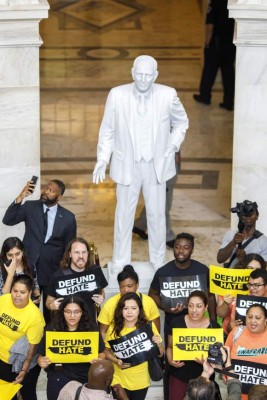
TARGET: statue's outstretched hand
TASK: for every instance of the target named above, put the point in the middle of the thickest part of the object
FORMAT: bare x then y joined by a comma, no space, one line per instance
99,172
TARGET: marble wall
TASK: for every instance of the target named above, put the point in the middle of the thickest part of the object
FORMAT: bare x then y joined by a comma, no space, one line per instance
19,99
250,118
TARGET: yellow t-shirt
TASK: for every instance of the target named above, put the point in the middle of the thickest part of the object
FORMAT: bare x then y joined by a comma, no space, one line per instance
17,322
133,378
107,312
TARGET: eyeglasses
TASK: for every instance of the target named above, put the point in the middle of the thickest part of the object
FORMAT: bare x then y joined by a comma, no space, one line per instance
75,312
254,285
77,253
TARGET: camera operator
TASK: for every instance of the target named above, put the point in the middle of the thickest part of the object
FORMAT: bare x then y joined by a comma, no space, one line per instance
236,244
202,388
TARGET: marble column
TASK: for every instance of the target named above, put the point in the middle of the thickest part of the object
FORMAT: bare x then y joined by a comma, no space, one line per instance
19,100
249,180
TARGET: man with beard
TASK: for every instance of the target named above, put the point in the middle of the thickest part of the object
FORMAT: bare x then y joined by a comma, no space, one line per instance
49,227
190,273
75,277
237,244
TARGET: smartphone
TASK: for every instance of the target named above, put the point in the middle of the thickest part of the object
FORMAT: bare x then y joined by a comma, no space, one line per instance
8,262
34,180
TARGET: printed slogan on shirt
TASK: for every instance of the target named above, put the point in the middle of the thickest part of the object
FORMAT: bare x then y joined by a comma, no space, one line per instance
9,321
175,290
69,347
136,347
228,281
187,344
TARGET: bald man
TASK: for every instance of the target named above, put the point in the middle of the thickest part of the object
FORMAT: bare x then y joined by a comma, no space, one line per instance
100,376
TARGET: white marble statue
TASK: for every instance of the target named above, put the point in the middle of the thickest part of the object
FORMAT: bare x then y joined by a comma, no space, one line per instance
143,126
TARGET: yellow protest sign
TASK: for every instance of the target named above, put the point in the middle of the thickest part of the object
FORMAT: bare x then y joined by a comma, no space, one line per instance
228,281
8,389
71,347
189,343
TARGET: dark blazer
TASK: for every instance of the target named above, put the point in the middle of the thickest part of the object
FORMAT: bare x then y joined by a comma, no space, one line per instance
46,256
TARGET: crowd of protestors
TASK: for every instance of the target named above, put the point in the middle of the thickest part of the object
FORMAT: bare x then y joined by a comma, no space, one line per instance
125,328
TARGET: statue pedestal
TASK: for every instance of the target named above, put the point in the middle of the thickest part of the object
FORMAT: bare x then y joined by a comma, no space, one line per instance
145,273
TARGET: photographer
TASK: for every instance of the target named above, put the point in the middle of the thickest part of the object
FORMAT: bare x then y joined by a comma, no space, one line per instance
202,388
236,244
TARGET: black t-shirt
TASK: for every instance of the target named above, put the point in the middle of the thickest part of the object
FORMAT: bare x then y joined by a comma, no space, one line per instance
170,270
218,16
75,371
191,369
81,290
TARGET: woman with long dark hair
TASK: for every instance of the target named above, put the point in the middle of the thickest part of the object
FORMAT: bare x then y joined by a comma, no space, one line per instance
183,371
13,262
129,315
128,281
72,316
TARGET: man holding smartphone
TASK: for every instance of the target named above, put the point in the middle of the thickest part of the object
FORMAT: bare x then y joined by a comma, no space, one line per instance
49,227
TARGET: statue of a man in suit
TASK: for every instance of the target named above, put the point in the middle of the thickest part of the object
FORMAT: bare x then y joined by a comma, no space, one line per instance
143,126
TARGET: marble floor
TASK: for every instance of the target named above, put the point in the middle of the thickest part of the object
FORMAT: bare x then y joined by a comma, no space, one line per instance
89,47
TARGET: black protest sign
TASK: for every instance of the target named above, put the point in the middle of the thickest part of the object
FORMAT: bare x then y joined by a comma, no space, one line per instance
250,374
136,347
86,281
175,290
244,302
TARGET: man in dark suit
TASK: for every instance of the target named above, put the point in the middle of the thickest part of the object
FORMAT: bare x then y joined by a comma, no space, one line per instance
48,229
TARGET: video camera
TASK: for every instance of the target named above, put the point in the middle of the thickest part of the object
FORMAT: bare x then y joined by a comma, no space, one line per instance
245,209
215,355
